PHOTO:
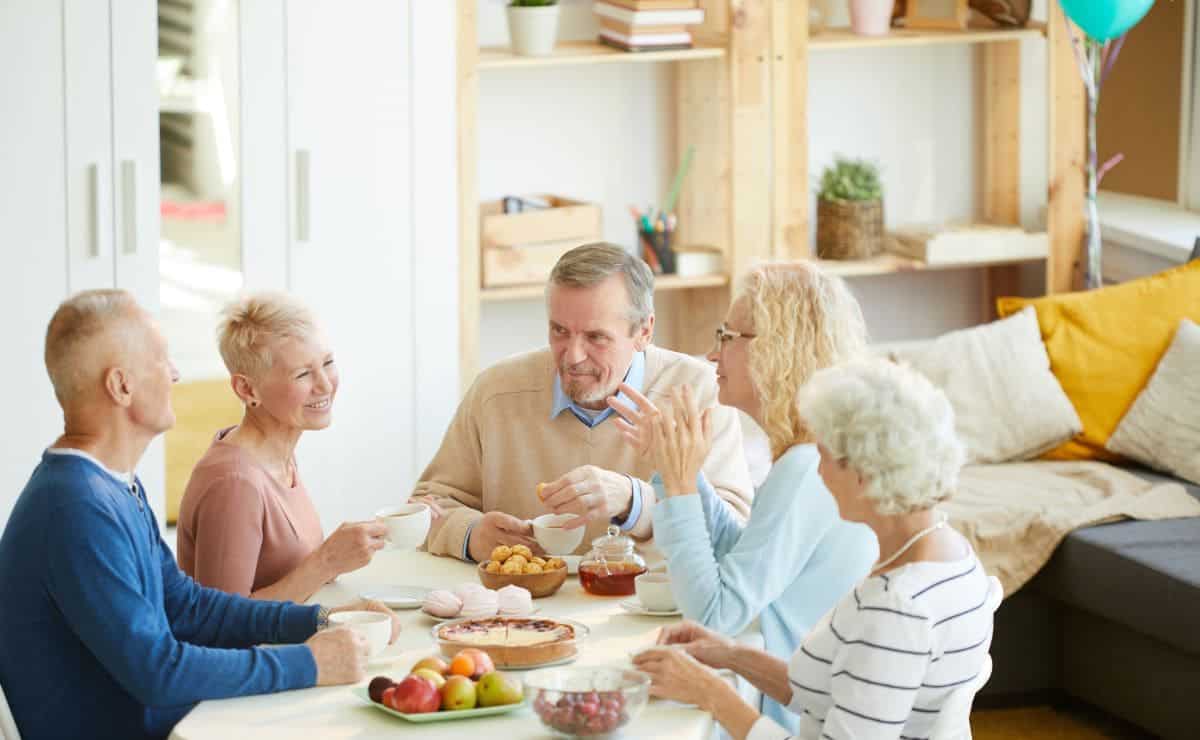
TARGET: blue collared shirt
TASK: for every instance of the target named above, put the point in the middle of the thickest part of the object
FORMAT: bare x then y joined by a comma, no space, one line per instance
635,377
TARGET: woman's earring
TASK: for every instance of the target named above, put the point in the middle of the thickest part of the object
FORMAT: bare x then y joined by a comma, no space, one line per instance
254,404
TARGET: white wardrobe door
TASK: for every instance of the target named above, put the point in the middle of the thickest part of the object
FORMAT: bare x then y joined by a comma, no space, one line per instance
89,144
135,180
350,247
33,211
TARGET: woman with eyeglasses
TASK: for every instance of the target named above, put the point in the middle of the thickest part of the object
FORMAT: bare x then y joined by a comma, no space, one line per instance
794,558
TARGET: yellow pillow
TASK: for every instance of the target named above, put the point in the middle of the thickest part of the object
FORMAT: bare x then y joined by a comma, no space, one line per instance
1104,345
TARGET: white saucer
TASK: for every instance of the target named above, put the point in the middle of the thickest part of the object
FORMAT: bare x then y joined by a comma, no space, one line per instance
633,606
439,620
397,597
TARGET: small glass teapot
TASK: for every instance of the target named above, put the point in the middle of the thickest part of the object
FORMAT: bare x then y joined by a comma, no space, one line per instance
611,566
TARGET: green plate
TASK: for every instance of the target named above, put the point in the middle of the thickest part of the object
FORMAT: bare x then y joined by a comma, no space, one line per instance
443,716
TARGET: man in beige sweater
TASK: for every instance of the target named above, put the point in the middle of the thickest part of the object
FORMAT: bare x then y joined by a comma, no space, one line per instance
543,417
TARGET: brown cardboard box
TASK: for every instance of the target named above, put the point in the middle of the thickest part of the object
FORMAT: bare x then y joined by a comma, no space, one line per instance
521,248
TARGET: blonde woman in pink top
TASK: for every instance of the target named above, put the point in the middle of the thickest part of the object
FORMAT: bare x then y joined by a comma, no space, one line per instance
247,524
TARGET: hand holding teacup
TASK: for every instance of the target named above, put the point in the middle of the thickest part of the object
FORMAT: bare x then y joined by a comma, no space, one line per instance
406,525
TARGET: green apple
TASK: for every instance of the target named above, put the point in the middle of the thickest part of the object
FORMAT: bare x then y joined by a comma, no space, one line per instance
496,689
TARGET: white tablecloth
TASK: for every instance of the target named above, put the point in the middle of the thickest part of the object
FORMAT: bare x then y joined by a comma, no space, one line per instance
333,712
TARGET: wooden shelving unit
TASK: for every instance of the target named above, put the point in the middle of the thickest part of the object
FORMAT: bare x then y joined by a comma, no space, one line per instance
890,264
589,52
741,98
662,284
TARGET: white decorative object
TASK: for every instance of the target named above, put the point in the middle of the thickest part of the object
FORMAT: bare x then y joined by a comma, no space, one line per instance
871,17
533,29
1162,427
1007,403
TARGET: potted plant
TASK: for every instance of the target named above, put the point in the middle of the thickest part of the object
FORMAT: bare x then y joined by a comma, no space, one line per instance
850,210
533,26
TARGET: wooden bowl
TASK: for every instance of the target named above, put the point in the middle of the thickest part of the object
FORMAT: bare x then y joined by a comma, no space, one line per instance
538,584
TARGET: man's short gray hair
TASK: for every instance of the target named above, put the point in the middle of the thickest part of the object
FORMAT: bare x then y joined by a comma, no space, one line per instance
589,265
77,323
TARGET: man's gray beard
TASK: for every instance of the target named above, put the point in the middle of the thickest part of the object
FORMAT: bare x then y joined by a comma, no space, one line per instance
581,398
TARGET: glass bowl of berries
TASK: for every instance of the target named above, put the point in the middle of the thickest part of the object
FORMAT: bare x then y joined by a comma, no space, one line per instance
587,702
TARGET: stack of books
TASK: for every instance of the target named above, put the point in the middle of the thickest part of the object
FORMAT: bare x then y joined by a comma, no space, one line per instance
647,25
967,243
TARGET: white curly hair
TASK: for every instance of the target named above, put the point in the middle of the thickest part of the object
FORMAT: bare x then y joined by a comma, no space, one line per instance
892,426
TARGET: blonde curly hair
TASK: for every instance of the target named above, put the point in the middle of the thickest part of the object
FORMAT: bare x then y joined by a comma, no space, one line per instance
804,320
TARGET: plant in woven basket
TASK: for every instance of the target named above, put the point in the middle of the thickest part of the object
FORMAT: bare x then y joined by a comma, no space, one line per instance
850,210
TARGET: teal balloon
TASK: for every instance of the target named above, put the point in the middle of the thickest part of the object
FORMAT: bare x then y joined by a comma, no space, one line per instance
1106,19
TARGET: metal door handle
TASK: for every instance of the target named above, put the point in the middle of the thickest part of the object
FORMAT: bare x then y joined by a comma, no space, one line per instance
129,206
93,186
303,195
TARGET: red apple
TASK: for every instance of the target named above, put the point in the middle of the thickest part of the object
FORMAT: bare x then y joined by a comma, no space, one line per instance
415,695
483,662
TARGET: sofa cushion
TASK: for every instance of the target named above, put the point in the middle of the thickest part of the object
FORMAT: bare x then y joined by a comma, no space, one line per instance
1104,345
1162,429
1007,404
1144,575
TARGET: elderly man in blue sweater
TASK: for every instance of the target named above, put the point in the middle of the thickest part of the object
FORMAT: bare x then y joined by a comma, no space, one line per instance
101,634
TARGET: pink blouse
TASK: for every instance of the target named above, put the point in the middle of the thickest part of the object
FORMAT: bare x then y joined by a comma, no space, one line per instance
239,530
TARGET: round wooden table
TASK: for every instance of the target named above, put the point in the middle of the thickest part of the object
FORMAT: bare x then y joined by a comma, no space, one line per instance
333,712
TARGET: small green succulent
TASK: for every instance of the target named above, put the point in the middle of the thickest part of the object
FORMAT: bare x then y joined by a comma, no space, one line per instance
532,3
851,179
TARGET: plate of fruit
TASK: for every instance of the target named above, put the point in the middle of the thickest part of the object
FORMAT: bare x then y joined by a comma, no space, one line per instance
434,690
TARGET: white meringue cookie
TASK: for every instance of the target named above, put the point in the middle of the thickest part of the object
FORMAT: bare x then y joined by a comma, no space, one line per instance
479,604
514,601
442,603
462,589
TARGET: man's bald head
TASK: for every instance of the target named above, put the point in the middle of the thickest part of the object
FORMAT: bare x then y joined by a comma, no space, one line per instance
90,332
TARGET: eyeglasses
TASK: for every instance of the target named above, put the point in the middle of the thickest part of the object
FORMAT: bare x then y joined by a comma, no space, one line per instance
724,334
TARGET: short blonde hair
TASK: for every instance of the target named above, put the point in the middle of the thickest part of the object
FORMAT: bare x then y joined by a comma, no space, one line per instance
804,320
250,324
890,424
74,333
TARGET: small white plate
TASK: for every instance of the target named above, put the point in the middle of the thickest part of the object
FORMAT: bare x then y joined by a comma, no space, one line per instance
633,606
435,618
397,597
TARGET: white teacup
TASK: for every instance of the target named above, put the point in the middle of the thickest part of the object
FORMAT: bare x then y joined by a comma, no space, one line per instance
407,525
549,533
654,591
375,627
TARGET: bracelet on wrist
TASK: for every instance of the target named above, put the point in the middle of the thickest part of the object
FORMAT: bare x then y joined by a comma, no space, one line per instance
322,618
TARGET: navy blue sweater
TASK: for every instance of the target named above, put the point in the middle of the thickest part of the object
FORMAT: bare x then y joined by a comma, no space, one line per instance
101,634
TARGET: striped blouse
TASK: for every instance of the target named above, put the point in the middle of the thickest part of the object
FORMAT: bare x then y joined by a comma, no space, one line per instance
882,663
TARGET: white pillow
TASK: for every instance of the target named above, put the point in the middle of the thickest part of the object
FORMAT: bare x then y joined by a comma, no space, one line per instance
1007,403
1162,427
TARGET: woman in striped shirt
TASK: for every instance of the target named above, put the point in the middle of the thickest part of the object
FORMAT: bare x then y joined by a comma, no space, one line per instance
889,656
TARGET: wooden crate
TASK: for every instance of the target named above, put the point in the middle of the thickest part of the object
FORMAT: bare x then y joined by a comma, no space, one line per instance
522,248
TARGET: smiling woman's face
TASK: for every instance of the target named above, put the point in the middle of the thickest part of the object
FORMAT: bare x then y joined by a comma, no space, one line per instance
299,389
735,387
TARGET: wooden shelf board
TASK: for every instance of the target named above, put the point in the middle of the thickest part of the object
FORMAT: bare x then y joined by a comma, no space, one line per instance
844,38
661,283
589,52
889,264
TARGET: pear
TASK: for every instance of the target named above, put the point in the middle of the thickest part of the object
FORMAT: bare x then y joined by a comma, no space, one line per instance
495,689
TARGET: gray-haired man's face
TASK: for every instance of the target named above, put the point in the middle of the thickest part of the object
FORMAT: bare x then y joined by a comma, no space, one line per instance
591,340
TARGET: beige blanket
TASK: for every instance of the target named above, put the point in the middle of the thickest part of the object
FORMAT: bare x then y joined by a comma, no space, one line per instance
1015,514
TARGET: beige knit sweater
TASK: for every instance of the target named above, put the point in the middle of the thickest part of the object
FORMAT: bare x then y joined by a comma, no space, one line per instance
502,443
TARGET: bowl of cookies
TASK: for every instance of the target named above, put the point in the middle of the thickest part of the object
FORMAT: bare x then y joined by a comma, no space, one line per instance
518,566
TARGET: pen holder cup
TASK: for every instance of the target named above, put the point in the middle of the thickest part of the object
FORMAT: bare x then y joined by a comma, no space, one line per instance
657,252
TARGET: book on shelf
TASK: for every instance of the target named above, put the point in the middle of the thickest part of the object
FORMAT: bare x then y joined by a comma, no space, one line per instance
634,31
967,243
646,42
650,18
654,4
697,260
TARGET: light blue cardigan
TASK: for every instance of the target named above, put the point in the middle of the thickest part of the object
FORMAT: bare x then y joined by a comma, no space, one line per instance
791,562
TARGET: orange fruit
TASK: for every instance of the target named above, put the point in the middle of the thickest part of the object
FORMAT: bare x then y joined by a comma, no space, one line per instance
462,665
